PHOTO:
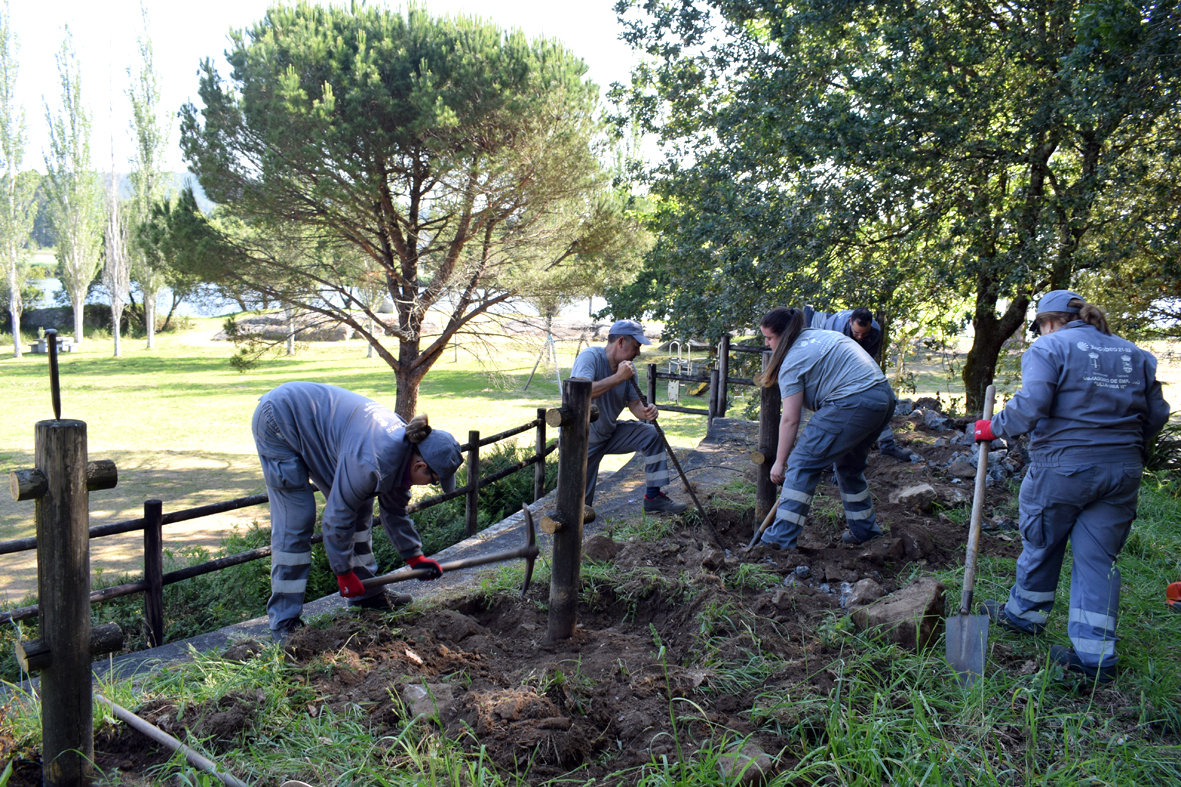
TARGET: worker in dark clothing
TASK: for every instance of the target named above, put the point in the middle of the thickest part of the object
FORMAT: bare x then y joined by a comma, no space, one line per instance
355,451
860,326
1091,404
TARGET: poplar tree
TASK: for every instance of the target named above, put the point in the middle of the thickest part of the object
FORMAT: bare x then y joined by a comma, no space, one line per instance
73,186
17,200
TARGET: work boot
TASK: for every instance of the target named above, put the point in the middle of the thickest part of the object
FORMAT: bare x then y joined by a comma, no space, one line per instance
281,635
1065,656
997,615
385,601
662,504
898,452
848,538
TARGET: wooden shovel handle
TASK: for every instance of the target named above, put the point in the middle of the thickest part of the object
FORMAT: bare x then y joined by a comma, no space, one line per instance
977,510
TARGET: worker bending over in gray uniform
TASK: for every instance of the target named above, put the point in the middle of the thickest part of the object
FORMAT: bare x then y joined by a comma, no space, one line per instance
611,372
354,450
860,326
830,374
1090,403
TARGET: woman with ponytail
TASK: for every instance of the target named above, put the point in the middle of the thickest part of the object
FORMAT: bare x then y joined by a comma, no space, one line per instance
827,372
354,450
1090,403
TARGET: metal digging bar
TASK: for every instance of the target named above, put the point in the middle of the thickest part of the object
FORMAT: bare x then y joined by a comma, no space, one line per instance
677,464
529,552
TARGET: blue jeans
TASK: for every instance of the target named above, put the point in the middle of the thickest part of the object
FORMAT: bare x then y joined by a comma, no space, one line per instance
1091,505
841,433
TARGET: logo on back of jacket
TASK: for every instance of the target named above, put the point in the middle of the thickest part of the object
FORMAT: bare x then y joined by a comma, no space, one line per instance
1097,377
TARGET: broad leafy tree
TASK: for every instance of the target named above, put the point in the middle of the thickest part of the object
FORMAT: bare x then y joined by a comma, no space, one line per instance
17,205
75,201
968,150
459,159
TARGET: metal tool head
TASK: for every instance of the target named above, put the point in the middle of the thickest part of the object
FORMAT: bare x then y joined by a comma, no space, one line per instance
530,547
967,640
54,386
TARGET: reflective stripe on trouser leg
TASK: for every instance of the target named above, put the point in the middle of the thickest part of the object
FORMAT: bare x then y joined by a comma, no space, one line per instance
362,562
1098,536
293,517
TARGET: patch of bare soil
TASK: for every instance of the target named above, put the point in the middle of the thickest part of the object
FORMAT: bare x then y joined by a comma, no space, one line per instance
668,621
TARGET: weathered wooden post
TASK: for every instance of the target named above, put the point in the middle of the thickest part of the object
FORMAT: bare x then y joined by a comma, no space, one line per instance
472,509
769,411
713,396
652,383
566,577
60,485
723,373
154,572
539,468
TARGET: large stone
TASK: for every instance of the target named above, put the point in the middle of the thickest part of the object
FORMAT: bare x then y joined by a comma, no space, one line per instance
909,617
961,469
864,592
934,420
919,497
883,550
429,700
916,541
600,548
748,765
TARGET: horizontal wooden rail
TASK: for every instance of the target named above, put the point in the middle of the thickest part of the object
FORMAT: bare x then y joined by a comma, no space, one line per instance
496,438
700,378
676,408
463,490
749,348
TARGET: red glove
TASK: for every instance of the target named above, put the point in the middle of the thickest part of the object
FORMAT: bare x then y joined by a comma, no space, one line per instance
984,431
420,561
350,585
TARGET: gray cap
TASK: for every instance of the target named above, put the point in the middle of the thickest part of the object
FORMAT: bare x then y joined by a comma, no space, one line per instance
1055,301
629,328
441,453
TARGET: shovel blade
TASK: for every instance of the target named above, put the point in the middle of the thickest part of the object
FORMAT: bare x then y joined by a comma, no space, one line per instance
967,640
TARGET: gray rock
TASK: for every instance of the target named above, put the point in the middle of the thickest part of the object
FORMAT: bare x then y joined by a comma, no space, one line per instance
962,469
904,407
883,550
846,589
803,572
864,592
919,497
429,700
712,560
824,588
746,765
934,420
909,617
916,542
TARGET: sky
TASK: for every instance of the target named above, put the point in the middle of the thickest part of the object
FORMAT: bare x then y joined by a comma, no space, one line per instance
184,34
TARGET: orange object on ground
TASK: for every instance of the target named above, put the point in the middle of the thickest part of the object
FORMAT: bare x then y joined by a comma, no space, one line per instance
1173,594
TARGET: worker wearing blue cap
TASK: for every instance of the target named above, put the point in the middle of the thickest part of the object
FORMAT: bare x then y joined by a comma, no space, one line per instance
355,450
611,371
1090,403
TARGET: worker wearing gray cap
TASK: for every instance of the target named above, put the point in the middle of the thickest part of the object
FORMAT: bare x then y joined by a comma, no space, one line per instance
1091,404
610,370
354,450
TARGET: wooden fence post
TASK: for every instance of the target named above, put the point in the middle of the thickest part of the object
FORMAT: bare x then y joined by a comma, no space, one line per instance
154,572
769,411
723,373
539,468
63,578
566,576
651,383
713,397
473,483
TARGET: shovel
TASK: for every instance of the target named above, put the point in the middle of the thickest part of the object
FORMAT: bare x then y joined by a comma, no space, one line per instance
967,634
766,523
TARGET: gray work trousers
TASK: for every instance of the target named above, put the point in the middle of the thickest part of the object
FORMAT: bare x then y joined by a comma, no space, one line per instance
293,520
1091,505
628,437
839,435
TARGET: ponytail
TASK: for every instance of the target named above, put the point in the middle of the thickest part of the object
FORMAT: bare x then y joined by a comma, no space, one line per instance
787,324
1092,315
418,429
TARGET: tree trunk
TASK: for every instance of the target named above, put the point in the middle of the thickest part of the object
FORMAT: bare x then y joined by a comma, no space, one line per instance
116,318
150,318
369,354
991,334
79,301
290,332
14,310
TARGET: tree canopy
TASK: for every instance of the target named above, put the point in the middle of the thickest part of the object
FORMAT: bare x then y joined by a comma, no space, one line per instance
460,159
974,152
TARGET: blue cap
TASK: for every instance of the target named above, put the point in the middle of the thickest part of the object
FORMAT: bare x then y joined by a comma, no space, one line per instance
441,453
1055,301
629,328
